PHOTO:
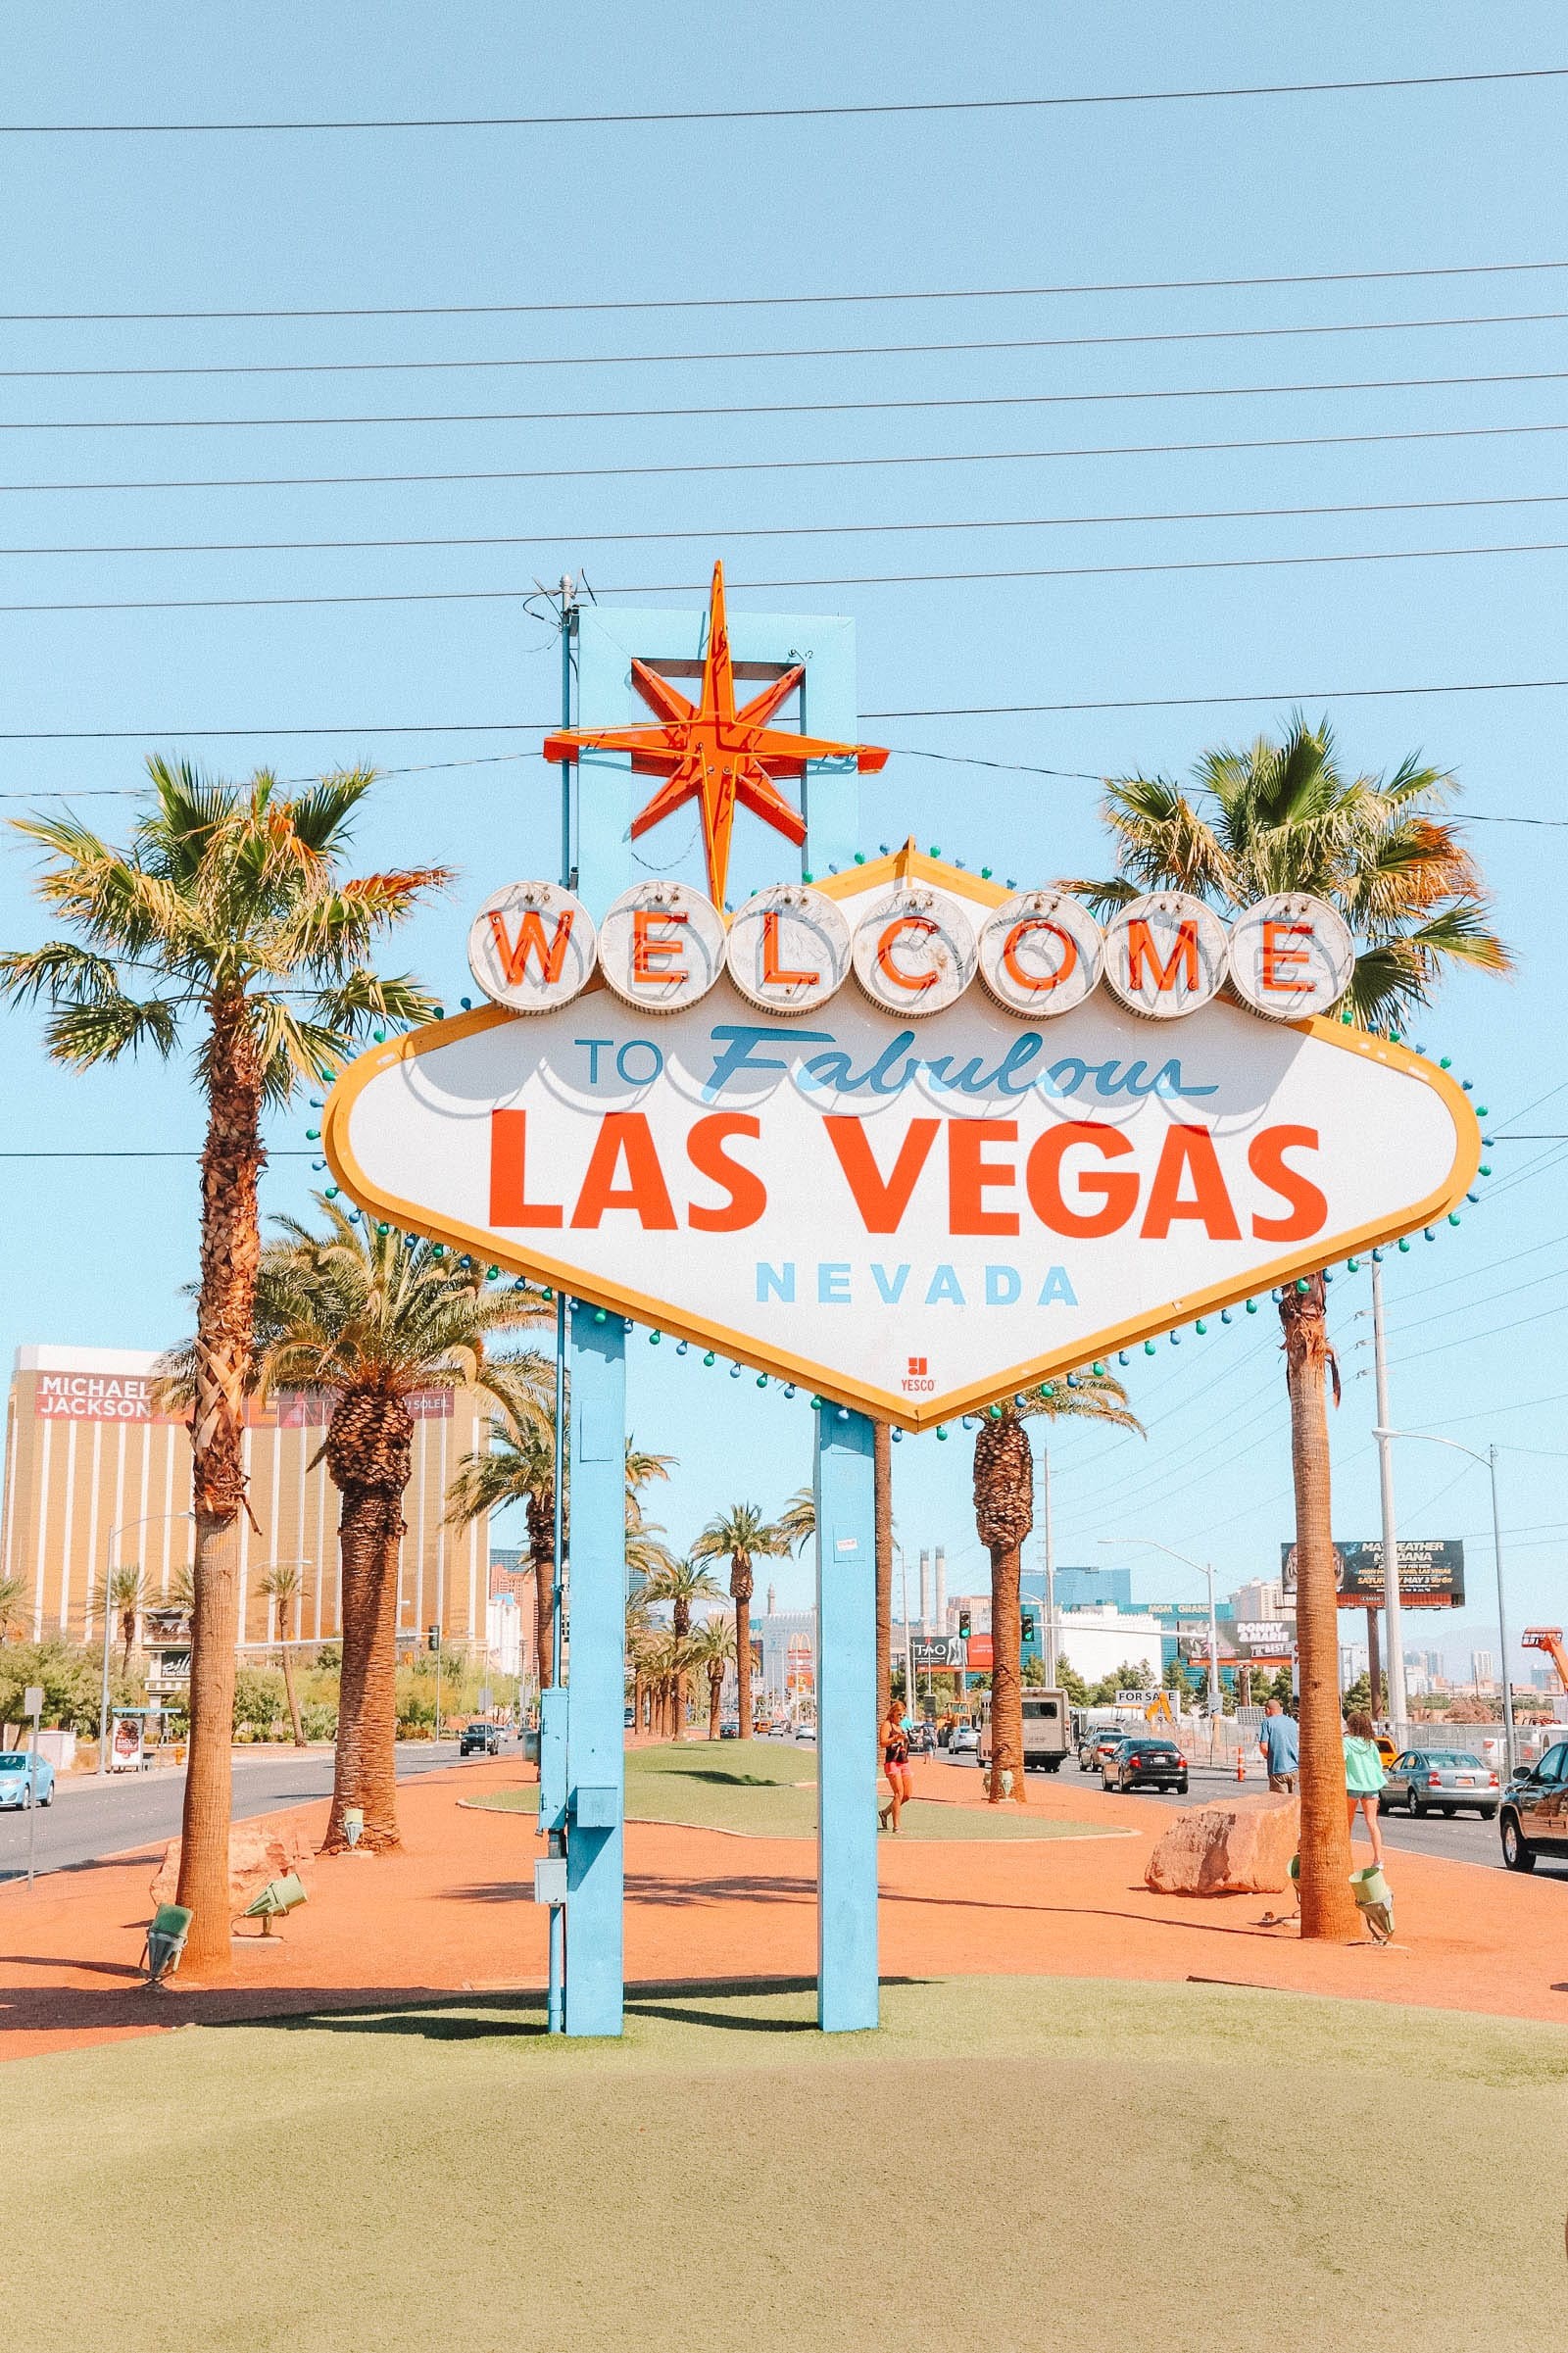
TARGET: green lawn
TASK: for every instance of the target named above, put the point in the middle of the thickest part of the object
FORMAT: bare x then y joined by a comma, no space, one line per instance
716,1784
1023,2166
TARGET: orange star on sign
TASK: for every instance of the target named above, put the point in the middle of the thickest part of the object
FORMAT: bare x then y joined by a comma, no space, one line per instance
713,754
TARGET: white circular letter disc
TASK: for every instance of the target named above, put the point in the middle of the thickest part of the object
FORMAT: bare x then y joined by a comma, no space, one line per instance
533,946
1291,956
1164,954
661,945
789,949
1040,954
914,951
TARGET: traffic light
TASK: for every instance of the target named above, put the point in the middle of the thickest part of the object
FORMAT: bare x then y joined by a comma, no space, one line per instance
1028,1625
964,1625
432,1639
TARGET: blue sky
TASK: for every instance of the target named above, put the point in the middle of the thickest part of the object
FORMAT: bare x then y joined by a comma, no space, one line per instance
1386,180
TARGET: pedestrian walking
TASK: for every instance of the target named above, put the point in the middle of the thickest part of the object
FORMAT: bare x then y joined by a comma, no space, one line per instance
895,1740
1281,1744
1363,1778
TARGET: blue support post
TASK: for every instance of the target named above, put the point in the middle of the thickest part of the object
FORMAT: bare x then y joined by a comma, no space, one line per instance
846,1723
553,1827
596,1675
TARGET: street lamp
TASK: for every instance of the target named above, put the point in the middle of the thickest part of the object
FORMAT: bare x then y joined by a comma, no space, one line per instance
148,1520
1489,1463
1204,1569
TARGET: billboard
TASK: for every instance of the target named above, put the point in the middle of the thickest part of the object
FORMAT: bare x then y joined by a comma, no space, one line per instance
1431,1573
940,1653
870,1139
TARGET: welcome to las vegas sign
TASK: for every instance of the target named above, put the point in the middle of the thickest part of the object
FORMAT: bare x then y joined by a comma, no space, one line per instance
906,1138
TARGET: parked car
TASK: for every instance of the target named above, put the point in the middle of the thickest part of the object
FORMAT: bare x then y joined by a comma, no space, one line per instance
1148,1762
730,1728
1099,1742
24,1782
1424,1781
480,1740
965,1740
1535,1810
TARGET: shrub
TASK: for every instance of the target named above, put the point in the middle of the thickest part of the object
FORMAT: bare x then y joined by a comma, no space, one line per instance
260,1704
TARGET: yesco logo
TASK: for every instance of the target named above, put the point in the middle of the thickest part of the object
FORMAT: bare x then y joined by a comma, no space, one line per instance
914,951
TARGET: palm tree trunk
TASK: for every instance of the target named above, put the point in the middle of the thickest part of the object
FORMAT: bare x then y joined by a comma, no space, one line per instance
740,1587
370,1534
542,1553
716,1691
1328,1908
679,1733
296,1721
1007,1677
882,1506
232,1160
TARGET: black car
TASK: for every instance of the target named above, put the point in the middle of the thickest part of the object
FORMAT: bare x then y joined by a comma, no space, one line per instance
1145,1764
1535,1811
480,1740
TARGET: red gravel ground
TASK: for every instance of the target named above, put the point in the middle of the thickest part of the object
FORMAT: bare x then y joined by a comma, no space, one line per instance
452,1911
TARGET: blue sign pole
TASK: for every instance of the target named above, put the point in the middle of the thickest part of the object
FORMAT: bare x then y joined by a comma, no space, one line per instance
846,1723
597,1686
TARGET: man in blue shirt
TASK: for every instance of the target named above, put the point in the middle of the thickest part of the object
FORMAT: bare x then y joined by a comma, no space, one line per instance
1281,1745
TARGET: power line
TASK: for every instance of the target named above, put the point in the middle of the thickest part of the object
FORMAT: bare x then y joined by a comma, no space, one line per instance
792,114
1284,695
769,302
659,588
992,400
768,466
837,531
827,351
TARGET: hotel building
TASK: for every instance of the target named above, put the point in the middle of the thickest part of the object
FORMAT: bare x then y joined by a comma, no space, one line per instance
96,1479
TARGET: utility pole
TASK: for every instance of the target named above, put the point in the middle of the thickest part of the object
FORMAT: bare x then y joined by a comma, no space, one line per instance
1392,1626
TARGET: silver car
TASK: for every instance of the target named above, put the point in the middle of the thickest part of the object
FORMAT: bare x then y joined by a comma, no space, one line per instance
1424,1781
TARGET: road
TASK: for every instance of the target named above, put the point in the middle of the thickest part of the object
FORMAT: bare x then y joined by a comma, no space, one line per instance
1465,1840
89,1820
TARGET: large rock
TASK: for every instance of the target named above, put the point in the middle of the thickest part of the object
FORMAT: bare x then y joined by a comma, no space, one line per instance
1239,1849
258,1851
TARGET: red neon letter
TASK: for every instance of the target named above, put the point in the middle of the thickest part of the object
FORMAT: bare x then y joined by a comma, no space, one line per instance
1118,1193
772,971
971,1178
645,1192
748,1194
1029,980
530,941
1184,949
509,1205
912,981
651,956
1308,1210
1190,1151
881,1203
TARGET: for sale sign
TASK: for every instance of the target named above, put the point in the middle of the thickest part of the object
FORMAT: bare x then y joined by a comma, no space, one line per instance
916,1154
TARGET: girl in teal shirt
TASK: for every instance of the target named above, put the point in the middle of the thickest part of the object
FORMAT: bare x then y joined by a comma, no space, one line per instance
1363,1778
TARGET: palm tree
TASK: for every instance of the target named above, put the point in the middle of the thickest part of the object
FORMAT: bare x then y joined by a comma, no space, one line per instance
681,1583
231,912
797,1522
518,1466
1003,1515
13,1607
281,1585
711,1648
1284,817
126,1596
744,1534
373,1315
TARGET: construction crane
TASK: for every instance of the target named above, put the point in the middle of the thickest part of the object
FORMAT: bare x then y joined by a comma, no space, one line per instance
1549,1640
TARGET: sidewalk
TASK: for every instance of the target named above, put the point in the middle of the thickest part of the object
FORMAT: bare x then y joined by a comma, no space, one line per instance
452,1911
